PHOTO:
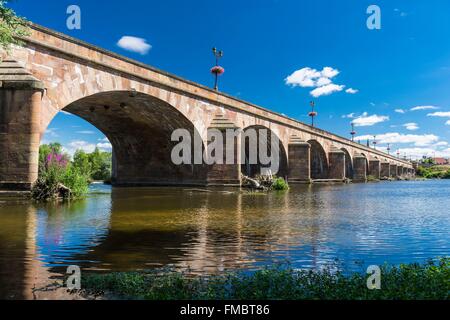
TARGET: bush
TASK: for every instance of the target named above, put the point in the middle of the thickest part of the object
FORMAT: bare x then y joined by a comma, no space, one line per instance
280,184
58,178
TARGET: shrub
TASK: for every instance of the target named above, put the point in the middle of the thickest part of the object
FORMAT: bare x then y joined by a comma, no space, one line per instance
58,178
280,184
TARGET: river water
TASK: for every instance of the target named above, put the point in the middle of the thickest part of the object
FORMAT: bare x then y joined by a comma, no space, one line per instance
212,230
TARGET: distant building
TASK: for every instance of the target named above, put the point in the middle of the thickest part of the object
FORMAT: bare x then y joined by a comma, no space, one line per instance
441,161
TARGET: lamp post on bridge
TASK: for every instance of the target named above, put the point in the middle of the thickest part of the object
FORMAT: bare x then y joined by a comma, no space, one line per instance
217,70
313,113
398,154
353,132
374,142
389,148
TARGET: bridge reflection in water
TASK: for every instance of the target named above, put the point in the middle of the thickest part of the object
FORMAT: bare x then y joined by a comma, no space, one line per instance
211,230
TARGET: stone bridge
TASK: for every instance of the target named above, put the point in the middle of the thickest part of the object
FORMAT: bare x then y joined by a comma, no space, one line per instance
137,107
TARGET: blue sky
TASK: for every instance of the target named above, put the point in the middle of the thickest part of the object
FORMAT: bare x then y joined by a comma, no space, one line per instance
391,71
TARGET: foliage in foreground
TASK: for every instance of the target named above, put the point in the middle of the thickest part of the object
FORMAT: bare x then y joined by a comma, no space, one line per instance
11,26
405,282
434,172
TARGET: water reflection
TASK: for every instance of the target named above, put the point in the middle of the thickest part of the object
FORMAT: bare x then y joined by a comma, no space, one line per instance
214,230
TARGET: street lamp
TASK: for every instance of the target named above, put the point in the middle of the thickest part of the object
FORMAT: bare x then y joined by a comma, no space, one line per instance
353,132
217,70
398,154
374,142
389,148
313,113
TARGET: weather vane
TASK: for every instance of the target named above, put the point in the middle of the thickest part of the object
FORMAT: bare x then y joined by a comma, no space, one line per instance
313,113
217,70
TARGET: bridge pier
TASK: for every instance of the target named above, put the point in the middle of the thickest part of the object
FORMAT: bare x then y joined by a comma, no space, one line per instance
20,112
393,169
399,171
336,164
299,161
223,174
375,168
359,168
385,170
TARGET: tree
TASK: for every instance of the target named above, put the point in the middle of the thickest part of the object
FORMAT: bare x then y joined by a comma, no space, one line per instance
12,27
82,162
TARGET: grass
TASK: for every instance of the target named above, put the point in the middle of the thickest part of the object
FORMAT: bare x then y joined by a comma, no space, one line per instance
404,282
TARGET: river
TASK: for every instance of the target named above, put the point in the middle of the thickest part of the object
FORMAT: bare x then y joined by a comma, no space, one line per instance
212,230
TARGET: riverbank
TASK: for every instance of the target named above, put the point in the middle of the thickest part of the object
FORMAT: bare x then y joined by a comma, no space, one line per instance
405,282
434,172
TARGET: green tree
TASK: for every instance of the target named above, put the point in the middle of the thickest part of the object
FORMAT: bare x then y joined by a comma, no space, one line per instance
12,27
82,162
100,164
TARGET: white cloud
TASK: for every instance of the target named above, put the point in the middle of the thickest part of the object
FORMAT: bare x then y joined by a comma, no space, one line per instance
447,123
418,153
400,111
366,121
326,90
351,91
51,133
349,116
411,126
86,146
105,146
134,44
309,77
86,132
419,108
312,78
440,114
395,137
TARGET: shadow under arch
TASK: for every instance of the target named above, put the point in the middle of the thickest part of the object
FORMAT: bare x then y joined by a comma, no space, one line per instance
252,169
319,161
139,127
348,164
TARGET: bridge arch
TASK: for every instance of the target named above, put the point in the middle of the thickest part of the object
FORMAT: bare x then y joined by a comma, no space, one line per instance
348,164
249,168
139,127
319,161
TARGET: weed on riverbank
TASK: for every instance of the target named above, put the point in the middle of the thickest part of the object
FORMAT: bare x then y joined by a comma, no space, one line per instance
404,282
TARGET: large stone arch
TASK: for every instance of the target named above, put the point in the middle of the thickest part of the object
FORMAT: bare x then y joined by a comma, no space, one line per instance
139,127
348,164
319,161
252,170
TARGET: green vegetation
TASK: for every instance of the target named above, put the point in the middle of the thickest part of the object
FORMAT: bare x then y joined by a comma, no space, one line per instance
11,26
58,177
61,178
372,178
434,172
405,282
280,184
97,164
